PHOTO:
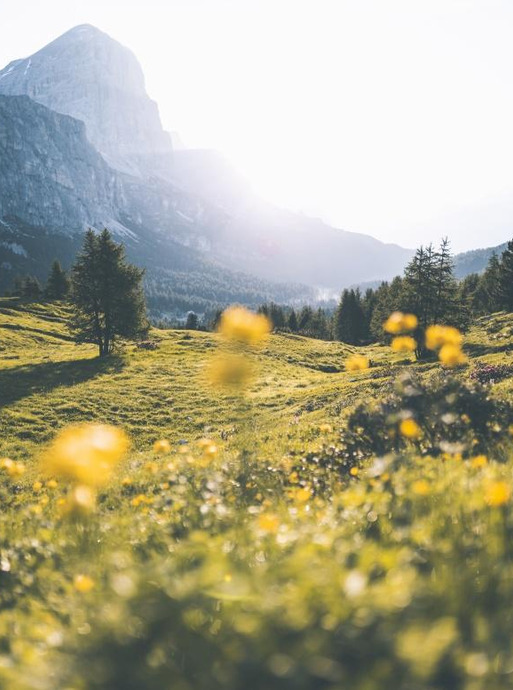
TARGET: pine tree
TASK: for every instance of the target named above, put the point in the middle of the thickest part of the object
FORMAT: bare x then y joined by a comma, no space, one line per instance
489,288
192,323
292,322
505,279
349,322
31,288
57,285
107,295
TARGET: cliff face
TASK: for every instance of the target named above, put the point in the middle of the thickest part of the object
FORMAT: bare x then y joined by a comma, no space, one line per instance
88,75
50,175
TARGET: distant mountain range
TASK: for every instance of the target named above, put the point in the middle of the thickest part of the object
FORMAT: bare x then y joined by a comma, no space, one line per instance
82,145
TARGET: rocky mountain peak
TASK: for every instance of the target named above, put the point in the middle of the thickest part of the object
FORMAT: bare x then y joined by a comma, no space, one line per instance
90,76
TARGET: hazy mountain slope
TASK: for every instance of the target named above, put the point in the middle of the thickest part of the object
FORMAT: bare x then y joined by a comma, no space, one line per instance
193,198
54,184
475,261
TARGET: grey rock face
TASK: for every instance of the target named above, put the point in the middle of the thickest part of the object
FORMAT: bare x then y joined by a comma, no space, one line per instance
50,175
86,74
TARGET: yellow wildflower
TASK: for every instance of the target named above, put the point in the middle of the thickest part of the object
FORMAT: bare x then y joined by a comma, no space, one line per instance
13,469
410,429
400,323
325,428
437,336
268,522
300,495
162,446
37,486
421,487
354,471
357,363
83,583
479,461
404,343
86,453
497,494
80,502
51,484
241,325
451,355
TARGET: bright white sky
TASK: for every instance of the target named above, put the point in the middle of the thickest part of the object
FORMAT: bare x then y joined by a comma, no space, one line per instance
391,117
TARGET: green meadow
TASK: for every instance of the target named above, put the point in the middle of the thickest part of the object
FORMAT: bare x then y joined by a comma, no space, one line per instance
288,551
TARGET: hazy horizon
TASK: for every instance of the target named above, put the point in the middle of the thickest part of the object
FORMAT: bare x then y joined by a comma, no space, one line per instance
392,119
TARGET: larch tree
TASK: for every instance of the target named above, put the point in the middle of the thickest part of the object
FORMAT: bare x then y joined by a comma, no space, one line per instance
106,293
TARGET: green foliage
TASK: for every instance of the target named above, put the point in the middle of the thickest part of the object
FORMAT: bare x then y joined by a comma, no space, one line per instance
57,285
454,417
106,294
294,558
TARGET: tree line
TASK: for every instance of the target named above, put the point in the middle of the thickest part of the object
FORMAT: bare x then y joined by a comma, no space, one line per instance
108,302
428,289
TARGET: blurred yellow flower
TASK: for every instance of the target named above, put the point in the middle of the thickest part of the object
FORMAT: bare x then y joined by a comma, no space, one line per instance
13,469
208,447
80,502
86,453
268,522
451,355
325,428
230,370
404,343
437,336
162,446
421,487
243,326
497,494
83,583
300,495
37,486
410,429
398,322
479,461
357,363
52,484
354,471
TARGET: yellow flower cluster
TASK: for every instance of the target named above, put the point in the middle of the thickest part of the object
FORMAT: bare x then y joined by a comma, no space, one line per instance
243,326
448,341
398,323
85,455
12,468
357,363
404,343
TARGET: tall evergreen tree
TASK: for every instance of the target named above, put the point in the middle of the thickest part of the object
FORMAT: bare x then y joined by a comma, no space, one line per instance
107,294
31,288
505,279
349,324
57,285
192,322
292,321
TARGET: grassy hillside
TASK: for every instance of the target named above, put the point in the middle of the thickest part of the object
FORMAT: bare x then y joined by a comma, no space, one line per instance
280,553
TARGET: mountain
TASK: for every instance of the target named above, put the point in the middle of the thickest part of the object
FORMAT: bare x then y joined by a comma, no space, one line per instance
475,261
87,148
86,74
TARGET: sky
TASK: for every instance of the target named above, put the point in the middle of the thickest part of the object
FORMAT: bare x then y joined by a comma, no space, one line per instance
389,117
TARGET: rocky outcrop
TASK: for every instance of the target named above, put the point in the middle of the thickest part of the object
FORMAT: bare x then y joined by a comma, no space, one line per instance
86,74
50,175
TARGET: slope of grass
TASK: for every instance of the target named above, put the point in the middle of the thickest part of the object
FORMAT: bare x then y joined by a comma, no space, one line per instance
261,564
